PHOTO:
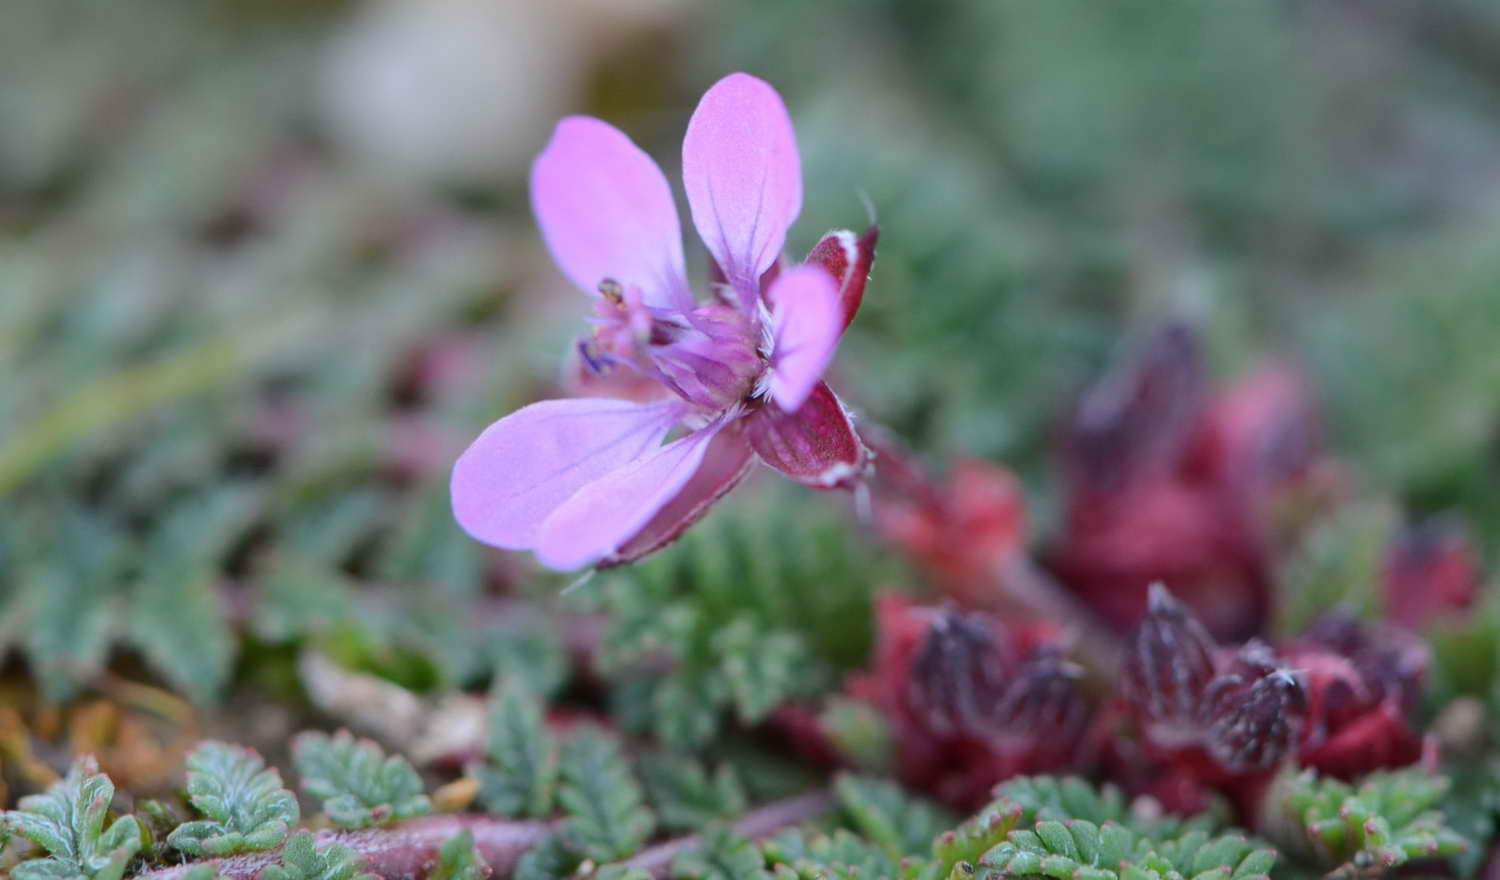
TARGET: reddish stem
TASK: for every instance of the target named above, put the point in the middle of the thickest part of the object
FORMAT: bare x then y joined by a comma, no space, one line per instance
410,849
407,850
754,825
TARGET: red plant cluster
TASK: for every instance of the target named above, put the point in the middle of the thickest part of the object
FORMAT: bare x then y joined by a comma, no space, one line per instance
1169,481
970,700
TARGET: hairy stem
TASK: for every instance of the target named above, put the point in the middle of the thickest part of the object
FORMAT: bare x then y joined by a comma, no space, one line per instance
410,849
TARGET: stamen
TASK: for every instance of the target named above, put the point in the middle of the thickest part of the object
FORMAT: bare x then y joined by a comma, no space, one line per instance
596,360
611,290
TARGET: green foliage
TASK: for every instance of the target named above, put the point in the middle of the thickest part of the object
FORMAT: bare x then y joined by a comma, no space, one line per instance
531,652
686,795
1062,798
551,859
1340,563
607,815
1081,850
964,845
838,856
858,731
201,872
897,823
302,860
766,600
1059,798
459,859
360,787
721,856
1384,821
68,822
519,775
246,805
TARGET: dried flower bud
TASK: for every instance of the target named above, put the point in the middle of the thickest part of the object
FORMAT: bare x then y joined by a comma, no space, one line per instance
1170,663
959,674
1044,698
1138,419
1252,727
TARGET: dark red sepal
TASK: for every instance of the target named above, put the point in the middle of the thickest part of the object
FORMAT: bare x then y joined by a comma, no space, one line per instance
848,260
816,445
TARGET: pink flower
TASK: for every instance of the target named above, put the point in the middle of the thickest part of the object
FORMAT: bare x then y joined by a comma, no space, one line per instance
589,481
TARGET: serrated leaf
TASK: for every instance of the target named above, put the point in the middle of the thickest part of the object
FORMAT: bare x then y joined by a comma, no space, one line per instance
686,796
607,816
1388,818
533,654
840,855
763,669
247,807
721,856
1059,798
360,787
302,860
68,822
685,708
551,859
1077,849
459,859
520,773
896,822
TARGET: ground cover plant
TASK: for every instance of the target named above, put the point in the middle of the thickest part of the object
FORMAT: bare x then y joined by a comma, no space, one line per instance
1149,532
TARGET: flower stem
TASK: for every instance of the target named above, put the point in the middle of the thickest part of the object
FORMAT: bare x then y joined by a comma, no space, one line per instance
410,849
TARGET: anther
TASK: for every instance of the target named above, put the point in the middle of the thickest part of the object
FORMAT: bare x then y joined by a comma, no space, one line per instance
611,290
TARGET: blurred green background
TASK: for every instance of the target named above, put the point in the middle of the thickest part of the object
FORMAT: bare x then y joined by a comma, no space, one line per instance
266,267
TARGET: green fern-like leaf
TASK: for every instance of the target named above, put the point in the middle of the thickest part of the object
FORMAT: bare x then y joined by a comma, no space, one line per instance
360,787
459,859
302,860
840,855
247,807
534,654
68,822
607,815
552,859
1072,797
1065,797
721,856
897,823
520,775
763,669
687,796
1385,820
959,849
1080,850
175,621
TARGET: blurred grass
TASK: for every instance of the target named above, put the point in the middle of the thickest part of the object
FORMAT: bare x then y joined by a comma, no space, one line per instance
203,287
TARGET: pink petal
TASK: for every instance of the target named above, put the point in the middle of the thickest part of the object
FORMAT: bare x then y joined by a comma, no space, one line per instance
726,462
743,177
816,445
806,322
606,211
603,516
848,260
523,467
